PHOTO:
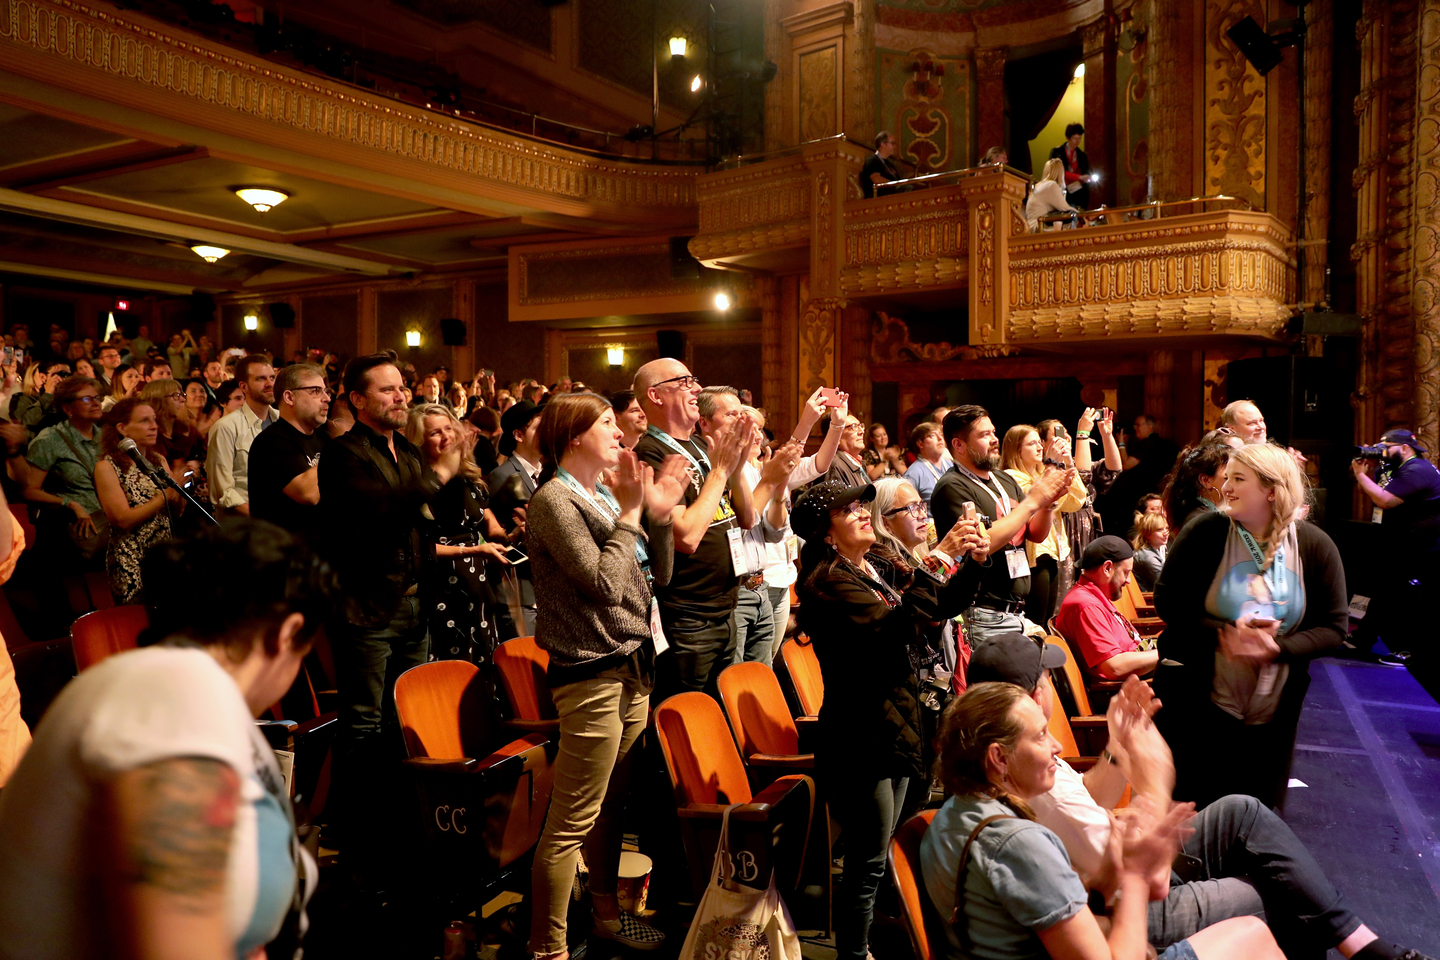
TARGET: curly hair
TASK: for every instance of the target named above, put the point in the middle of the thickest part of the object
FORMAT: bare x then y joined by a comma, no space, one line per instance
1181,493
984,715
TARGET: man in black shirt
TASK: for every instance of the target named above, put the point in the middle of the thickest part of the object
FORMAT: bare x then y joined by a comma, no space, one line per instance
697,606
373,484
1010,515
1407,508
877,167
285,458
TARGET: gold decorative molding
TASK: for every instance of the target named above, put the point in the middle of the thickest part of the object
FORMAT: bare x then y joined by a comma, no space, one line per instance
906,240
986,252
1425,291
819,328
123,58
1235,105
1225,272
890,342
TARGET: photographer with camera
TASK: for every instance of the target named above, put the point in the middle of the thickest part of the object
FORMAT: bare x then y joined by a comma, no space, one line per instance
1407,507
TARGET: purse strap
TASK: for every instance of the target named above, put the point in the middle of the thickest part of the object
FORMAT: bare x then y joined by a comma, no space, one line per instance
957,916
79,457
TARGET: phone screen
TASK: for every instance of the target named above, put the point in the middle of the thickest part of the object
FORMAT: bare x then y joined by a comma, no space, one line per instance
19,356
515,555
9,356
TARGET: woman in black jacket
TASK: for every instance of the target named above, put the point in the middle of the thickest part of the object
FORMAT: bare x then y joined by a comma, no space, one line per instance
865,610
1249,597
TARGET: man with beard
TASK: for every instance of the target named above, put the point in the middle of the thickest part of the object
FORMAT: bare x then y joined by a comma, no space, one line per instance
1010,515
1407,508
228,464
285,459
1108,643
373,484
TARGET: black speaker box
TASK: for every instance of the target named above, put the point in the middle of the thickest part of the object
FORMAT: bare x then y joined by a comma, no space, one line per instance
671,343
682,265
1304,399
452,332
202,311
282,315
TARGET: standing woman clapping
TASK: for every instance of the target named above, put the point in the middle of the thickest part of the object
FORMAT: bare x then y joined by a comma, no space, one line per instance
594,571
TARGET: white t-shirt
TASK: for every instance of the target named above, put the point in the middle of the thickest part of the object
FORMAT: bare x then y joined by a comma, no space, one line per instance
1070,813
134,709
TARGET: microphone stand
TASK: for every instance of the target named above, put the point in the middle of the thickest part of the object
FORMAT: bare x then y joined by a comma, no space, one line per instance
163,476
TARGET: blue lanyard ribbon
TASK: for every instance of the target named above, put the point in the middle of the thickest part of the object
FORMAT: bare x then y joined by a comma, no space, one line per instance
607,505
673,444
1275,576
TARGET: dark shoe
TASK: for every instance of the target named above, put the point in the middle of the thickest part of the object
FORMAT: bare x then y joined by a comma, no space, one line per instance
630,931
1397,659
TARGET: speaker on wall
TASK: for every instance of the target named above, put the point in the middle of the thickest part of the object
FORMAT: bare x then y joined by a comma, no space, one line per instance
682,265
671,343
452,332
1304,399
202,311
282,315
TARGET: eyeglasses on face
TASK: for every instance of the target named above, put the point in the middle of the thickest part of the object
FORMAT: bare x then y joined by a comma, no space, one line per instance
855,509
687,382
318,391
917,510
87,400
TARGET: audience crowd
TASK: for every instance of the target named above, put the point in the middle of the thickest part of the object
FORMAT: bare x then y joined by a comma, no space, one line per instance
263,511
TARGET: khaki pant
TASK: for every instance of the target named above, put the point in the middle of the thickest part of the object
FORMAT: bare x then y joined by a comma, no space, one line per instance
14,734
600,721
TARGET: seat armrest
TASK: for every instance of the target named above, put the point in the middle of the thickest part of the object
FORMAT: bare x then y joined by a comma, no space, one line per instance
805,720
804,761
1088,723
541,726
438,765
512,749
278,733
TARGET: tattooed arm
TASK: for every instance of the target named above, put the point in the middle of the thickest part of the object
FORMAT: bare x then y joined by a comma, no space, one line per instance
172,826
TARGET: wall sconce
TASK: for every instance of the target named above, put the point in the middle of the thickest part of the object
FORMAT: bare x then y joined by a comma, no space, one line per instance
208,253
696,84
262,198
615,355
677,49
1080,71
252,322
412,338
722,301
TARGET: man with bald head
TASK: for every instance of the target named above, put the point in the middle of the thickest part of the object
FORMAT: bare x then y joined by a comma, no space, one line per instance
697,606
1245,419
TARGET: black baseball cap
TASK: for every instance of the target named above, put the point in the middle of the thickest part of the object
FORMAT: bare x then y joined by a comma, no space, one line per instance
1013,658
1406,437
811,516
516,417
1100,549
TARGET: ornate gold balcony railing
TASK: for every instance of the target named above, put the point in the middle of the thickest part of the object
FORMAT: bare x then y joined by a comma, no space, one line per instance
906,241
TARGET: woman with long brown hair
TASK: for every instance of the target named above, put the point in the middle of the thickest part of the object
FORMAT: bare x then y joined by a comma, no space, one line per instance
136,505
1023,455
178,437
594,571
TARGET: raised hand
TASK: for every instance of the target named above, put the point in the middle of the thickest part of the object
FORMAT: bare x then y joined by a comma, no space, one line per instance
1107,423
783,460
666,488
1059,449
629,486
841,411
1087,419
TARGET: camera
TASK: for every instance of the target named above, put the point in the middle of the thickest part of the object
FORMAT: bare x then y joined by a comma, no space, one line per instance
1376,452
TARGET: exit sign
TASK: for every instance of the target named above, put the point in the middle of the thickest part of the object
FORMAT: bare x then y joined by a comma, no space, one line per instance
122,304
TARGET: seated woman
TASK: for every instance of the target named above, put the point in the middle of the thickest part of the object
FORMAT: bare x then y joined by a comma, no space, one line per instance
149,818
137,506
866,612
178,440
125,382
1248,597
1005,882
1149,540
1048,197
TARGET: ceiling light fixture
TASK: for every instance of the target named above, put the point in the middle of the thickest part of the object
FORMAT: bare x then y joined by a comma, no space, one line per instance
722,301
412,338
208,253
262,198
252,322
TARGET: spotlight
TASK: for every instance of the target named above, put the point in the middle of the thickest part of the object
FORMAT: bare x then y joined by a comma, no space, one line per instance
722,301
262,198
412,338
252,322
208,253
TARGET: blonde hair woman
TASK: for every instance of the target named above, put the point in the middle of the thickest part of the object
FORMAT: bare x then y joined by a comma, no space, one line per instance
1150,538
1022,454
1243,647
1048,196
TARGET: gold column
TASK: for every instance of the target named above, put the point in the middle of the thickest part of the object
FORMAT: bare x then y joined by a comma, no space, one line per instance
990,77
1425,291
1171,75
991,197
1319,57
860,74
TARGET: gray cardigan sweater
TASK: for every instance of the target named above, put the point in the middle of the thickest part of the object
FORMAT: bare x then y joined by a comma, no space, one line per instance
591,598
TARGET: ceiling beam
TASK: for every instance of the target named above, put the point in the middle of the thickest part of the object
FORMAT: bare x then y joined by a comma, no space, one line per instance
101,279
382,229
75,160
160,158
15,201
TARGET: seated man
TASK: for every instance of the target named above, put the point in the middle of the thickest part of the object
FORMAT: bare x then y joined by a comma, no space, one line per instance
1242,859
1105,640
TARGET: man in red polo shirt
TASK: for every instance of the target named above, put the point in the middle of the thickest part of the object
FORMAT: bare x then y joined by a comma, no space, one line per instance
1108,643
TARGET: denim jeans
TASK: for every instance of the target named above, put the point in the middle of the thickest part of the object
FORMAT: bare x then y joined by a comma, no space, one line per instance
367,664
1251,864
867,811
754,627
780,616
700,647
985,623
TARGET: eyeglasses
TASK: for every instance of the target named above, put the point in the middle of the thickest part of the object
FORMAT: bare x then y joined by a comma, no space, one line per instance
178,395
855,508
686,382
86,400
917,510
318,391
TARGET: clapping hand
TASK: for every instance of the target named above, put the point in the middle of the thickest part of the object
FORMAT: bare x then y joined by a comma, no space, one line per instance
963,539
1248,643
1151,837
730,444
783,460
666,488
629,488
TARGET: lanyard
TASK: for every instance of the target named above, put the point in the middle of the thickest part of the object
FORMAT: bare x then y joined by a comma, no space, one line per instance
611,508
933,469
1275,576
673,444
1002,504
884,591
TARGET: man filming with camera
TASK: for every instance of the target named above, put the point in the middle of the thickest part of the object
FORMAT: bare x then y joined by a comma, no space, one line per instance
1407,506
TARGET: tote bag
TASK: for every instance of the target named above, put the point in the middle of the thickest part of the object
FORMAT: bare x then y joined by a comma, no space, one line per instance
736,922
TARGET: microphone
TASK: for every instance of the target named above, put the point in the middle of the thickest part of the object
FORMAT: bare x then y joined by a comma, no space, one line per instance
129,446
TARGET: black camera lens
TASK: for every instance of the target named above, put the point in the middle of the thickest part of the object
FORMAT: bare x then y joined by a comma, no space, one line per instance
1370,453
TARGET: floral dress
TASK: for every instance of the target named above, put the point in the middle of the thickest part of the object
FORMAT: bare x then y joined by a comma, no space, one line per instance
128,547
468,618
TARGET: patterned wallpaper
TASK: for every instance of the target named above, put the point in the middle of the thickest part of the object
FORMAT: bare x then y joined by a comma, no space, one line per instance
947,15
1132,126
927,102
527,21
615,39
